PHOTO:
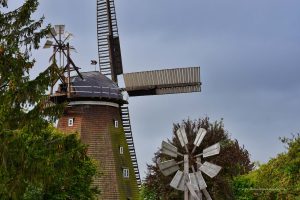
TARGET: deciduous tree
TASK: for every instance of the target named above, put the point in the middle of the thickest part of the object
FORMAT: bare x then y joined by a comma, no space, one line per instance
233,158
277,179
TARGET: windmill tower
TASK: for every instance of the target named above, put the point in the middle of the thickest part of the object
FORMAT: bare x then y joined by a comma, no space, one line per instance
99,113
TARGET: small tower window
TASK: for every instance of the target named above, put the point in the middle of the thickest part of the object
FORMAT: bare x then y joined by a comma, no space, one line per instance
125,173
116,123
70,121
121,150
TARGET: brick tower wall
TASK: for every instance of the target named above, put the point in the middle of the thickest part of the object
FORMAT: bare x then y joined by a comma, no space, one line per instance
96,126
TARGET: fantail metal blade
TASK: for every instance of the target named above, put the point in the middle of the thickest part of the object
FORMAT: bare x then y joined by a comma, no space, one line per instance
181,134
210,169
48,44
73,49
52,33
168,167
212,150
192,191
178,181
60,29
206,194
199,137
197,180
168,149
193,181
68,36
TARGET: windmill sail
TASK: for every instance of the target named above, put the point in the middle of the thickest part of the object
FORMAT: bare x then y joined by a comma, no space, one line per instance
167,81
109,52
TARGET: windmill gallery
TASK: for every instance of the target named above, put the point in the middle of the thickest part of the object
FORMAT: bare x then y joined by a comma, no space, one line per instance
97,109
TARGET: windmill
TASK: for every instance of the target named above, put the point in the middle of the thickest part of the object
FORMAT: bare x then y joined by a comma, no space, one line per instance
58,39
192,183
98,111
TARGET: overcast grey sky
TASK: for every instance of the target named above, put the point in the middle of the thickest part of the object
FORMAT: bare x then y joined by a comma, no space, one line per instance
248,52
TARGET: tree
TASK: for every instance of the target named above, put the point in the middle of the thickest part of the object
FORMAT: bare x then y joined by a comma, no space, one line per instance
44,165
233,158
36,161
277,179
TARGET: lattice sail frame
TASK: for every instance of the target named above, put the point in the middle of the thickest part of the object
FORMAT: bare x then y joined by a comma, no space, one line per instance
193,184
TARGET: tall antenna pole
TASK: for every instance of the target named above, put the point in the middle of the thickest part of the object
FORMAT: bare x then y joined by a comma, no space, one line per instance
69,71
52,70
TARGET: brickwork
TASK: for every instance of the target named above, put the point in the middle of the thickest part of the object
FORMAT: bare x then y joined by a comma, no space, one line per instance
92,122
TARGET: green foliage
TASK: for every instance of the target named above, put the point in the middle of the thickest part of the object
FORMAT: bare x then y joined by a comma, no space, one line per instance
46,165
278,179
22,99
147,193
233,158
36,162
243,185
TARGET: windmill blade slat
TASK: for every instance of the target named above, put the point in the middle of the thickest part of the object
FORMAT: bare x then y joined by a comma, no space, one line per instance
199,137
167,81
48,44
52,33
200,180
59,29
212,150
206,194
181,134
178,181
197,181
192,191
210,169
193,181
68,36
176,90
168,167
168,149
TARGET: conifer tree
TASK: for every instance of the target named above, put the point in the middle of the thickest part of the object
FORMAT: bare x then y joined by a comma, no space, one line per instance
36,161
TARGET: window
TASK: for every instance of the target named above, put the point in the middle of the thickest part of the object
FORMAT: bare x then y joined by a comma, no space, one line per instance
116,123
121,150
70,121
126,173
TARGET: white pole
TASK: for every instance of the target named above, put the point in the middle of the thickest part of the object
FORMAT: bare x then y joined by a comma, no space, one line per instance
198,165
186,172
